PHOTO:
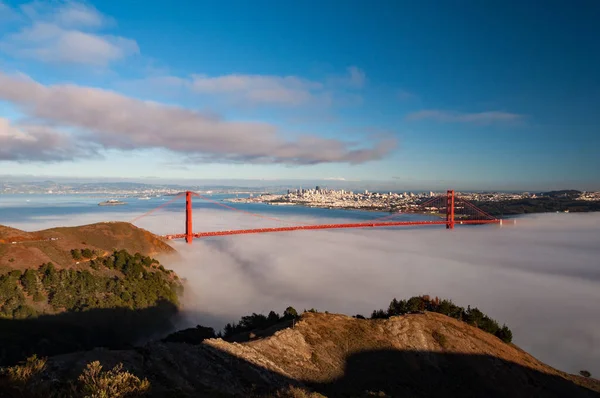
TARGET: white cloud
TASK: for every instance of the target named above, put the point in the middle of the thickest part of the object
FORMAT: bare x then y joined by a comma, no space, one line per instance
34,143
290,91
66,34
116,121
457,117
66,13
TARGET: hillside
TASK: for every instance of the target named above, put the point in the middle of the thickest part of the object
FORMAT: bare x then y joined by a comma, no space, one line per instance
31,249
67,289
415,355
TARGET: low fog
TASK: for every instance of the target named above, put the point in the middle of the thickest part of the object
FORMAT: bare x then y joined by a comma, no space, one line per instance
541,276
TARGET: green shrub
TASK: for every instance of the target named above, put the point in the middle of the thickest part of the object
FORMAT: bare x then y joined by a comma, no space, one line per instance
76,254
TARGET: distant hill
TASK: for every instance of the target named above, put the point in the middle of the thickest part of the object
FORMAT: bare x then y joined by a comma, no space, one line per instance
414,355
565,193
31,249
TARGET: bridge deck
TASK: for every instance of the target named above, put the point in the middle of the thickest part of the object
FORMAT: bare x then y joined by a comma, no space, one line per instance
329,226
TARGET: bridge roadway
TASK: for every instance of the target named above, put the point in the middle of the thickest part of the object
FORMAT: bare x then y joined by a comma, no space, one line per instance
329,226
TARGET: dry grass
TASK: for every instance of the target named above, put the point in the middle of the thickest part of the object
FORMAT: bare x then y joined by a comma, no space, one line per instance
114,383
297,392
439,338
35,249
21,381
22,374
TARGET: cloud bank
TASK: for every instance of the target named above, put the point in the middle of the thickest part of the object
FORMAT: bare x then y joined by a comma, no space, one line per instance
24,142
113,121
66,34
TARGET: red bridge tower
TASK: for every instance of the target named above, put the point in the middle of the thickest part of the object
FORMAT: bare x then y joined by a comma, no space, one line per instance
189,234
450,209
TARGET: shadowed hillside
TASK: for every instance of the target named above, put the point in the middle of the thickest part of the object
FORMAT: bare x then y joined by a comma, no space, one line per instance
83,330
32,249
417,355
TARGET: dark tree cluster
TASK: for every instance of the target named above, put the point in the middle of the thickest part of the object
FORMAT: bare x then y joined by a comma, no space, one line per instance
472,316
140,286
258,322
192,336
79,254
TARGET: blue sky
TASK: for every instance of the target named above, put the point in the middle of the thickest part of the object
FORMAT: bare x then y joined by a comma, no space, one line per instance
468,94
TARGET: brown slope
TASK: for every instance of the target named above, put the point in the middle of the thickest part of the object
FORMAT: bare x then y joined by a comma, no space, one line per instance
54,245
9,234
336,355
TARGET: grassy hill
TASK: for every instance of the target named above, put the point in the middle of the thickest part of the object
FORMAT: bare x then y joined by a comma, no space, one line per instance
54,282
31,249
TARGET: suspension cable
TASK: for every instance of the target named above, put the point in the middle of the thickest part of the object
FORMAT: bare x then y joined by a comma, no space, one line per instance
156,208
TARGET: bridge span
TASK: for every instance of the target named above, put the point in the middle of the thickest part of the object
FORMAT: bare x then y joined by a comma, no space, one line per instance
451,209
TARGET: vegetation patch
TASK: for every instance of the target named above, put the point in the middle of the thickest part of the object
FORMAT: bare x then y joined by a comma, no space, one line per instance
27,380
439,338
117,300
472,316
142,283
258,321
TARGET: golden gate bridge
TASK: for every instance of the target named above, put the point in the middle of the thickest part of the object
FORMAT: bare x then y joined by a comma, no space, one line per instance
450,208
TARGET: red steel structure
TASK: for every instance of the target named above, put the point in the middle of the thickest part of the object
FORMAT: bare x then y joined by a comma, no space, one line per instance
189,234
455,209
450,209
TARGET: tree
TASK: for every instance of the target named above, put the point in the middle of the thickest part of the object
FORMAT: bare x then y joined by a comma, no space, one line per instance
585,373
29,281
273,317
87,253
415,304
290,313
76,254
48,274
379,314
504,334
397,307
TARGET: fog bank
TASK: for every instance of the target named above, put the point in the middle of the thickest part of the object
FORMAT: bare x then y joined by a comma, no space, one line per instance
541,277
